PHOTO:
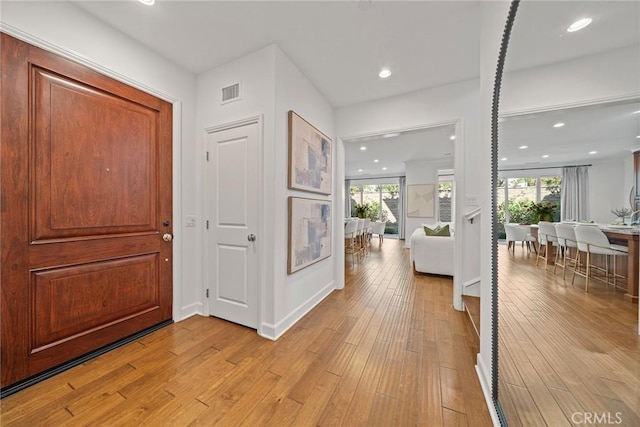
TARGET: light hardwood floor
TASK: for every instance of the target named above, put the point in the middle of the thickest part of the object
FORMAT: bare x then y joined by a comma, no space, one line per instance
388,350
563,351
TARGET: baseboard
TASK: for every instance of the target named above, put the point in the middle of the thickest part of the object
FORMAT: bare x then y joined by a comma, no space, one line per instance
273,332
472,282
485,384
190,310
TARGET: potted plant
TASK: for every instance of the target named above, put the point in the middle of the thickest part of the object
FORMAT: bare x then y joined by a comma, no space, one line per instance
543,210
362,209
621,214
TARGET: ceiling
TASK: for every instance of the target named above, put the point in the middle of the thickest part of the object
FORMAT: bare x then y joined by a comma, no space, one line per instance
539,37
609,129
341,45
393,151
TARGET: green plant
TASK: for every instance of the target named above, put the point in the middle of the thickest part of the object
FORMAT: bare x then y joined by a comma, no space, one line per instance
362,210
543,210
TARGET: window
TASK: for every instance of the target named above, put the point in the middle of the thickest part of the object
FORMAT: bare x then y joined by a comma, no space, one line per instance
383,200
519,193
446,212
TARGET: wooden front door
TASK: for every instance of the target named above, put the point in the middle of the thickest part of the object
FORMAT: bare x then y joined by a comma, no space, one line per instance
85,203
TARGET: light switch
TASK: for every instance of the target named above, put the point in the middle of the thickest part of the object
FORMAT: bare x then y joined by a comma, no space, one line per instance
190,221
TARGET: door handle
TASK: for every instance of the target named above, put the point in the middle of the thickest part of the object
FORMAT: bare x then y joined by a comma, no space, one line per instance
167,237
251,237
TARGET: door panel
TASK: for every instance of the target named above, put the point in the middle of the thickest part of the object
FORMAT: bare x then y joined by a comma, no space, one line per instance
233,205
114,156
233,258
86,185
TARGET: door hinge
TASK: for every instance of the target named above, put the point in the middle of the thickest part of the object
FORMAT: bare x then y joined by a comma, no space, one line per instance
207,156
207,224
207,293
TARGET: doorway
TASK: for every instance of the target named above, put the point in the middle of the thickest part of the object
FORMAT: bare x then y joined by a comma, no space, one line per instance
233,206
87,208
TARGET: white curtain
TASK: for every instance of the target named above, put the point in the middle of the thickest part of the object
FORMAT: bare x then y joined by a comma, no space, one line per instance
574,203
401,204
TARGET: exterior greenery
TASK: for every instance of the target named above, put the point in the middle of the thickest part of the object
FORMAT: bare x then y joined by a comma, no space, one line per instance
524,210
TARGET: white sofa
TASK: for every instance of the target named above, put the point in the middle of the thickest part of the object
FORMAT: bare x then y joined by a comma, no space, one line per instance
431,254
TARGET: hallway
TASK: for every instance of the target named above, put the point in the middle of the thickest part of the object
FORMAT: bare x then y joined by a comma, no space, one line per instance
388,350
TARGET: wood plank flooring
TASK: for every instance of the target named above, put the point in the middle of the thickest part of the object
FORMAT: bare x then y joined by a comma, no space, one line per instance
388,350
566,357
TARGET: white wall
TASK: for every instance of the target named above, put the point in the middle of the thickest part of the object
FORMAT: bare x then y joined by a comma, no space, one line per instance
65,29
296,294
607,189
422,172
589,79
271,85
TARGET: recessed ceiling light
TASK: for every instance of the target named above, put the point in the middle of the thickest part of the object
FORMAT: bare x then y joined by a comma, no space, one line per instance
524,147
384,168
545,156
579,24
593,152
558,125
452,137
504,159
638,137
363,148
147,2
359,170
384,73
375,160
636,112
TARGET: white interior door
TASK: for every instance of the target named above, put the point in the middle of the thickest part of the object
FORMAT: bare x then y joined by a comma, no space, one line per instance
233,226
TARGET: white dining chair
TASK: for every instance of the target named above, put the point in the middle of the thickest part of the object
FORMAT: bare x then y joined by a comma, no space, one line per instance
546,238
566,243
518,233
592,240
378,229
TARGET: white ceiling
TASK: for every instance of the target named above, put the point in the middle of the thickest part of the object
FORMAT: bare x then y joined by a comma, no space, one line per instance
609,129
539,37
393,151
341,45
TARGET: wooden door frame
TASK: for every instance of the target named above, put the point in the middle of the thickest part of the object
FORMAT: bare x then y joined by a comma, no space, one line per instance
176,143
261,226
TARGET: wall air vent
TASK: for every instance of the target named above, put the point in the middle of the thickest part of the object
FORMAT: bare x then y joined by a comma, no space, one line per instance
231,93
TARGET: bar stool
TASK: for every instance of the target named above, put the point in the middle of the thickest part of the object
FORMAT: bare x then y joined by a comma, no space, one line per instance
546,234
566,240
350,244
591,240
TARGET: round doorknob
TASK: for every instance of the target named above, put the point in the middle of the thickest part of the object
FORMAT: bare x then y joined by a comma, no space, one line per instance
167,237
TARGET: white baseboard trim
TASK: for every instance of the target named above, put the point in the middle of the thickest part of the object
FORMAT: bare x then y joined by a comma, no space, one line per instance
273,332
472,282
190,310
483,376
